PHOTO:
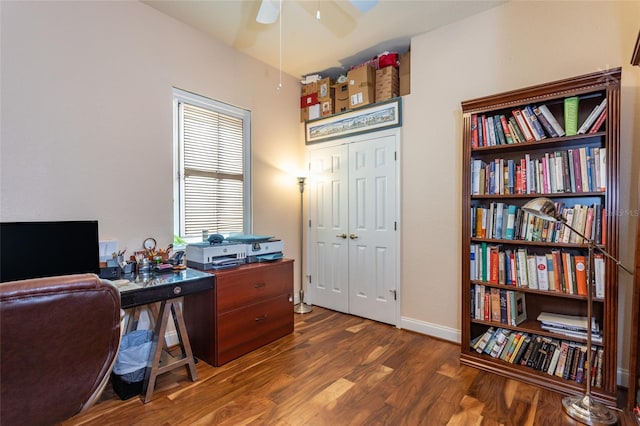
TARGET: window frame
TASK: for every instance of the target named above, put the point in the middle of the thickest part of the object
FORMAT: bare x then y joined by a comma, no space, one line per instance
182,96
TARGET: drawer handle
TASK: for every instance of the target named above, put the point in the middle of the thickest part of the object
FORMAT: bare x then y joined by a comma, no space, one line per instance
259,285
261,318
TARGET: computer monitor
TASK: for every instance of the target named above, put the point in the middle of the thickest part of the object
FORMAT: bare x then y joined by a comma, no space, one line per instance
43,249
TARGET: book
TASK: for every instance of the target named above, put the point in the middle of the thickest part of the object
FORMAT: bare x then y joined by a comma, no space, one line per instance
500,137
506,129
495,304
599,275
581,274
552,120
543,277
515,130
522,350
522,124
592,117
548,128
532,118
474,131
598,123
482,343
571,115
562,359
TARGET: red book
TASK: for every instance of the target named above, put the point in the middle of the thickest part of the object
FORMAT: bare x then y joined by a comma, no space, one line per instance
577,170
523,175
596,126
494,265
522,123
519,180
483,128
487,304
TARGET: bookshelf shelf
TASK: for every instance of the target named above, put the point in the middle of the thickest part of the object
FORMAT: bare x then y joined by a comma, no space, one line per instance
499,177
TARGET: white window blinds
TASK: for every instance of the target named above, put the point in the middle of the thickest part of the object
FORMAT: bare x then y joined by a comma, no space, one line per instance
212,169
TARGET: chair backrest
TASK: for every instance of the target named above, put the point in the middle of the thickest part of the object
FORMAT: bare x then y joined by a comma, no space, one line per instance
59,338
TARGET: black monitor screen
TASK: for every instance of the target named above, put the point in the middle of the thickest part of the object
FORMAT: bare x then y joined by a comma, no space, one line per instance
44,249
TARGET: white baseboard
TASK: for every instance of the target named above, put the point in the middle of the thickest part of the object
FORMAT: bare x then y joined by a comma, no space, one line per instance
434,330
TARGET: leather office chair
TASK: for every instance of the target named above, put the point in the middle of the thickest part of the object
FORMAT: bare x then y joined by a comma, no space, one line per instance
59,338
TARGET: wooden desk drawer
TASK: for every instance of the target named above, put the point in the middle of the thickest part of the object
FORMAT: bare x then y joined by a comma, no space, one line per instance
243,330
235,289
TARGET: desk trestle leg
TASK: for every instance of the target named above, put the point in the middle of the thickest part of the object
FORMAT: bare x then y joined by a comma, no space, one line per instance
158,363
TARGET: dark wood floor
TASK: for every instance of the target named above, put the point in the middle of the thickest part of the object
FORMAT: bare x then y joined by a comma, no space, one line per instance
337,369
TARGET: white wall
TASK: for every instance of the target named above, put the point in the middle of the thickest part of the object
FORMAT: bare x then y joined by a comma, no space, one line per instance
515,45
87,118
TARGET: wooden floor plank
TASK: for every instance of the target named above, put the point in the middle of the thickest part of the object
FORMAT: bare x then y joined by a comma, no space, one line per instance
335,370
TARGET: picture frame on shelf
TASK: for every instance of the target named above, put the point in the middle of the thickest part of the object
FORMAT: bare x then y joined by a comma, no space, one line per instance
379,116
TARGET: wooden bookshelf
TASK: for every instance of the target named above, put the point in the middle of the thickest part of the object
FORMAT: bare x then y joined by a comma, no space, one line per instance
591,90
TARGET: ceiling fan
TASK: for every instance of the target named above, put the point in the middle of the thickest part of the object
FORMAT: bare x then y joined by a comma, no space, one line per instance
269,10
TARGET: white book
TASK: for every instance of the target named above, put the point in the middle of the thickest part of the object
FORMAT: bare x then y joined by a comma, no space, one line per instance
521,266
542,273
603,169
559,167
532,271
476,165
551,119
599,269
566,236
473,273
592,117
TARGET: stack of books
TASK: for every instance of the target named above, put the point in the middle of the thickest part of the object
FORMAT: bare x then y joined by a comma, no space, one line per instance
570,326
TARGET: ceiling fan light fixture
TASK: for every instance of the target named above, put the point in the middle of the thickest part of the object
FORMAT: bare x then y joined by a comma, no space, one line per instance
268,12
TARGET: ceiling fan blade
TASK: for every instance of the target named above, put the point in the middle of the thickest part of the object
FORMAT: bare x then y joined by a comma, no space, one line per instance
268,12
364,5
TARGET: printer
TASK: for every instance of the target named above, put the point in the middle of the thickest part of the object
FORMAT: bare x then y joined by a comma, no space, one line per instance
219,255
259,248
264,251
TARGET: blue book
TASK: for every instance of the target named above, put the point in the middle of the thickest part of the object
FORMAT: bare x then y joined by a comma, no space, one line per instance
511,221
500,211
534,121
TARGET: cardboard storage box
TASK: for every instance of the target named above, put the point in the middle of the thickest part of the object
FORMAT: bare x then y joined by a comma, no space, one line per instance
309,89
405,73
387,83
341,97
362,86
326,107
308,100
310,113
324,88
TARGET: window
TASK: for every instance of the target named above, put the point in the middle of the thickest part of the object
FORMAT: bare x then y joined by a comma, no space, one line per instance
212,147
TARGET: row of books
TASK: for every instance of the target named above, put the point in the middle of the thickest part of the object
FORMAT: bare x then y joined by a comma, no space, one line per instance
533,123
557,271
498,305
570,171
561,358
503,221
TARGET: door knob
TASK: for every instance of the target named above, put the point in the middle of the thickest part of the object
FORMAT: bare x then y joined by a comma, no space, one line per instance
343,236
353,236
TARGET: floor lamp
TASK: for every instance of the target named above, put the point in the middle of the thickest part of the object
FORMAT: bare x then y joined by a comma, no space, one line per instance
582,408
301,308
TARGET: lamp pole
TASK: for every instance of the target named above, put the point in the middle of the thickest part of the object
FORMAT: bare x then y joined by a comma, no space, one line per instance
583,407
301,308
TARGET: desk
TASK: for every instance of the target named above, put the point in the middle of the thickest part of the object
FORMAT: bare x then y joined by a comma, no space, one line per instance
168,289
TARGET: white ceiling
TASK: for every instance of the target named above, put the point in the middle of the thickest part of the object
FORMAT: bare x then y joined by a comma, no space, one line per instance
342,37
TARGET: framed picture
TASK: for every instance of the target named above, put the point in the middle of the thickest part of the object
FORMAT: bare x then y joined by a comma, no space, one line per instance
383,115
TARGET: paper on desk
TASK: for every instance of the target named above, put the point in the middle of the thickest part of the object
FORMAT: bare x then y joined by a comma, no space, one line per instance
107,248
